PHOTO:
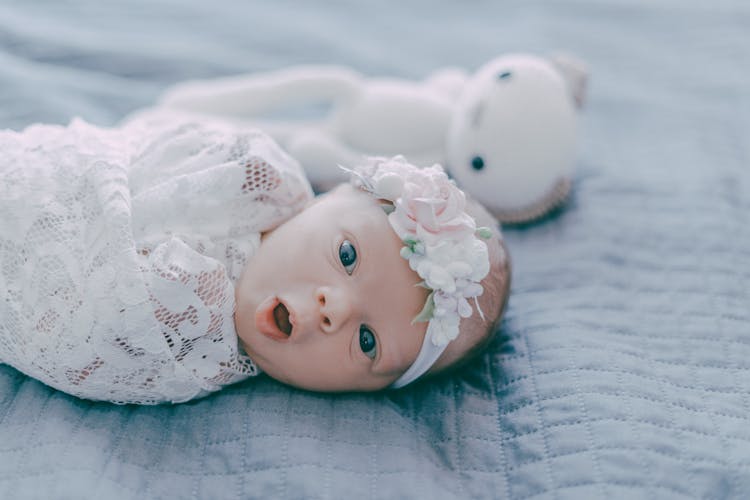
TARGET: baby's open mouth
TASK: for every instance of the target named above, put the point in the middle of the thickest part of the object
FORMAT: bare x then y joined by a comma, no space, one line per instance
274,319
281,316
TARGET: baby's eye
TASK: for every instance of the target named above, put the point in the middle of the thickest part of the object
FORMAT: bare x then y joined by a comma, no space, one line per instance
367,342
348,256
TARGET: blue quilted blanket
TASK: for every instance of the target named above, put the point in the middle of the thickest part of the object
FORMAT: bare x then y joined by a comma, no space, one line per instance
622,369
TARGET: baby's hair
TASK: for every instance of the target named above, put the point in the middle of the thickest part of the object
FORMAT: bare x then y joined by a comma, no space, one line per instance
477,333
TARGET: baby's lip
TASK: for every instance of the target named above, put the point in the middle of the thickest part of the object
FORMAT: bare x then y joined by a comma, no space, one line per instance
269,320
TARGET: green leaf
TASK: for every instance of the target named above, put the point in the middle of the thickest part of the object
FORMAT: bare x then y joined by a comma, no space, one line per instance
410,242
484,233
426,313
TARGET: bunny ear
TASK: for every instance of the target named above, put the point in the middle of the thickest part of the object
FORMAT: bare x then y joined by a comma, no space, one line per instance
575,73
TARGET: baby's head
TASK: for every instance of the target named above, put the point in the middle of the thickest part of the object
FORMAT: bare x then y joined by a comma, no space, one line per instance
374,284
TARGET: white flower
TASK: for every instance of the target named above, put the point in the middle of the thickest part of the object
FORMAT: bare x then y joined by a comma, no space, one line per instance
435,276
472,290
389,186
459,269
443,329
464,309
479,260
466,259
444,303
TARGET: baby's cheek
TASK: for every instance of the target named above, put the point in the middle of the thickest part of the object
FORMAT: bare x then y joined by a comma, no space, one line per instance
244,321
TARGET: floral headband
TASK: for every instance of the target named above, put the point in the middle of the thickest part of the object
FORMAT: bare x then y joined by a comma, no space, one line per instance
427,211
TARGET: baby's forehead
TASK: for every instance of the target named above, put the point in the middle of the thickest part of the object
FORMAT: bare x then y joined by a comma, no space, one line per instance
346,193
352,204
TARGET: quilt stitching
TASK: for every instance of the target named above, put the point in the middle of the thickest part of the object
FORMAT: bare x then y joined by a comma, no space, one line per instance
591,451
540,421
647,464
456,452
504,465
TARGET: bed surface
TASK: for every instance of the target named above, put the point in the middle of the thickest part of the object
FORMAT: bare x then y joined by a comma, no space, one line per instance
622,368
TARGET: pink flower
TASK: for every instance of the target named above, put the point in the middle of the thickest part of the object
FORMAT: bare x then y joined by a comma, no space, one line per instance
431,208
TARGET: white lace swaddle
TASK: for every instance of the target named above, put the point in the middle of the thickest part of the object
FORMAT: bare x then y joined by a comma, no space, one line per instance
119,249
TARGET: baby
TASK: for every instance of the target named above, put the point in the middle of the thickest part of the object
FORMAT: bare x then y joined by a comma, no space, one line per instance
164,259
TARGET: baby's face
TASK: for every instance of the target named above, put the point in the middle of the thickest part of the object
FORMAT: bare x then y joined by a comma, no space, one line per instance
327,301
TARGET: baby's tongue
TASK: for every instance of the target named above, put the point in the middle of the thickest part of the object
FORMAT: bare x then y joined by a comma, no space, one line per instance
281,316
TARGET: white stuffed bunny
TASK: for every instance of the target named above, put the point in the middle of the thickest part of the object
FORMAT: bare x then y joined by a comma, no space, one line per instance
507,134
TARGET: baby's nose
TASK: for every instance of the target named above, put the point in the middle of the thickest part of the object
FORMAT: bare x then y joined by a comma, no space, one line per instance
334,306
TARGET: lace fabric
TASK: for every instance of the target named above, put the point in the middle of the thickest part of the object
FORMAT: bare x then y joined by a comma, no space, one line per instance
119,249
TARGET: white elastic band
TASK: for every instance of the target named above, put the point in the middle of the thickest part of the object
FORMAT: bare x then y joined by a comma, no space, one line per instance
425,359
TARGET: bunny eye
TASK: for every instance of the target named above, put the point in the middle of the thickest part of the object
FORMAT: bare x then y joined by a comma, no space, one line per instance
477,163
504,75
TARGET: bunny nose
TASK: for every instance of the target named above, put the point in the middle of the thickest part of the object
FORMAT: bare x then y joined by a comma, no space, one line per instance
334,306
